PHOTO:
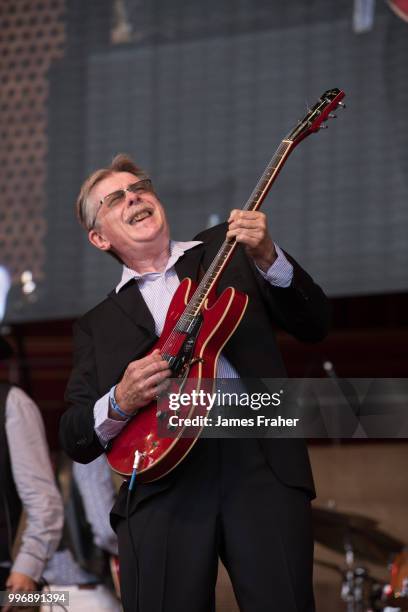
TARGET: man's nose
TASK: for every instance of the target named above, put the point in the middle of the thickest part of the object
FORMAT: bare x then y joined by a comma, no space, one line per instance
132,198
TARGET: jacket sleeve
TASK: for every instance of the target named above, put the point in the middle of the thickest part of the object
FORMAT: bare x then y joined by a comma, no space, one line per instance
77,434
302,309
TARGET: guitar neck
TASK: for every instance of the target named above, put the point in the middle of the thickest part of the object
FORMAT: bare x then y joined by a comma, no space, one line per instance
312,122
227,249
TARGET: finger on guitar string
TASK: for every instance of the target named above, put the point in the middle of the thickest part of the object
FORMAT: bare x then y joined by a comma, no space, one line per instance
246,235
247,214
258,244
141,375
147,368
158,378
251,224
247,218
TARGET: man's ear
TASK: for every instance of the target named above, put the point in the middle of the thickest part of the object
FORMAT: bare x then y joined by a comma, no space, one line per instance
98,240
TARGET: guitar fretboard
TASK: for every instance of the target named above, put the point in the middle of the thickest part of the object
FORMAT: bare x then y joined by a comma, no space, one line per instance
227,248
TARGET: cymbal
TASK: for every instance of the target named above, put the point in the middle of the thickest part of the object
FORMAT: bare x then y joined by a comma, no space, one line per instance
340,531
335,517
330,566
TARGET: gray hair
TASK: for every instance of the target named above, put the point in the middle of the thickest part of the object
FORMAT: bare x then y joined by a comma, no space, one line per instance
84,210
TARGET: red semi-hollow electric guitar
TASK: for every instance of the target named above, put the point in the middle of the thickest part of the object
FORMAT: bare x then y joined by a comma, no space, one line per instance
197,327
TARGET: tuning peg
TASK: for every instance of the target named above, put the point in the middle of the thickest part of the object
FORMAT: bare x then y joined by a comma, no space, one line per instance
323,126
341,104
332,116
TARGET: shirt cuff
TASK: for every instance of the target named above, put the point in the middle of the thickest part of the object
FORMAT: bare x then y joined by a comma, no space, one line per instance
29,565
280,274
105,428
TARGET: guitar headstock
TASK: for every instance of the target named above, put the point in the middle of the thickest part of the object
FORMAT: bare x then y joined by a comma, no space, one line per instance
319,113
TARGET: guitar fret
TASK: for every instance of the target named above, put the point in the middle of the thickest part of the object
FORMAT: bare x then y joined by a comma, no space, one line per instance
263,185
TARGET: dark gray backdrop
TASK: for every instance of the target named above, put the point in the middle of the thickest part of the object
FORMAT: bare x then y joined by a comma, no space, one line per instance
201,97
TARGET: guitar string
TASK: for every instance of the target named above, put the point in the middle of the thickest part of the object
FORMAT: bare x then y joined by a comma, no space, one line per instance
202,291
283,150
204,288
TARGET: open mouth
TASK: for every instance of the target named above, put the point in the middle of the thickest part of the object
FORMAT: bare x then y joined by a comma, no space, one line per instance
140,216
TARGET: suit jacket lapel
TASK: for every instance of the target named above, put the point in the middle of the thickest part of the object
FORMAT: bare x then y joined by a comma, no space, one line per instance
130,301
189,263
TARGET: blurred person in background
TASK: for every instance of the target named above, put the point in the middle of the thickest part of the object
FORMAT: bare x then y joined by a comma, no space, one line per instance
26,482
29,558
81,564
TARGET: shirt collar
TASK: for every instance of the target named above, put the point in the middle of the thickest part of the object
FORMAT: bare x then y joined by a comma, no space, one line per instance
177,249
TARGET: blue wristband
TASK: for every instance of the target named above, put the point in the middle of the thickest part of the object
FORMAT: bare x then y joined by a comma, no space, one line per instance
115,405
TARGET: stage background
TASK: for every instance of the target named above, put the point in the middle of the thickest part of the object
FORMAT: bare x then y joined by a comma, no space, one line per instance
201,96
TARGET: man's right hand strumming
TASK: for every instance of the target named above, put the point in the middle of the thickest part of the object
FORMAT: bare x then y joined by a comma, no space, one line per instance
141,383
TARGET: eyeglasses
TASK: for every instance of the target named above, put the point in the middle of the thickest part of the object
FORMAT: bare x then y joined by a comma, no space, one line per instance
118,197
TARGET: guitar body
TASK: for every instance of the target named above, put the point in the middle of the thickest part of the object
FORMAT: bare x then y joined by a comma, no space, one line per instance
160,455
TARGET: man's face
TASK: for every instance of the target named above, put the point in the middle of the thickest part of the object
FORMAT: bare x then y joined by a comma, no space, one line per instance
126,224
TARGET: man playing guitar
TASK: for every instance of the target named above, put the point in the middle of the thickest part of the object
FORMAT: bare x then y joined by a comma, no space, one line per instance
244,500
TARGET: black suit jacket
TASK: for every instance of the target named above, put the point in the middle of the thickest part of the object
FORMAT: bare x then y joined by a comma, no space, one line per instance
121,329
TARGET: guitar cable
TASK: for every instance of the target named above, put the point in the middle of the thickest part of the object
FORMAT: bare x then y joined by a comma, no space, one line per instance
136,461
132,481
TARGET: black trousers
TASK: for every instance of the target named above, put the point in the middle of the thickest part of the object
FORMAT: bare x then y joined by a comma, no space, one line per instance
224,501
